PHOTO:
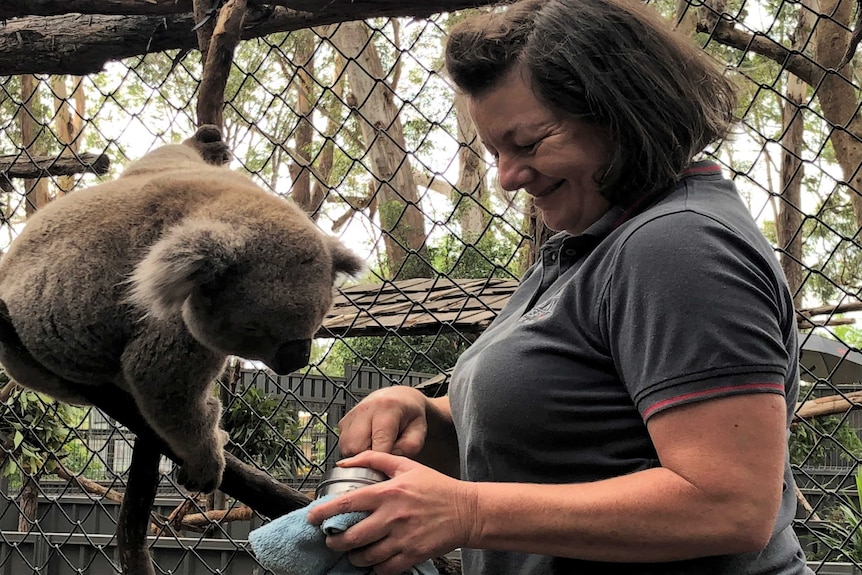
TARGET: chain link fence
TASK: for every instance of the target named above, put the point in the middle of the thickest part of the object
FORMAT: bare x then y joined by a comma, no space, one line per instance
356,122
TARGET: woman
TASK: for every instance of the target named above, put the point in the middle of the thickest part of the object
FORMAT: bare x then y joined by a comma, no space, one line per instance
628,410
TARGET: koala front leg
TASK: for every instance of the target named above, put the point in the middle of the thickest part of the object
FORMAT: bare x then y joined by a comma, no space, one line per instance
171,378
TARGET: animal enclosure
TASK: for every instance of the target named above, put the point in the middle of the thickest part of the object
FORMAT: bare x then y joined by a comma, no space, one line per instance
345,109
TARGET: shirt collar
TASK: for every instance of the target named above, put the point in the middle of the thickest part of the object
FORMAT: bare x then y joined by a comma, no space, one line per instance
617,215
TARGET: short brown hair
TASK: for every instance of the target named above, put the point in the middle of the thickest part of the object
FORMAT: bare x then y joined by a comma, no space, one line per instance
613,63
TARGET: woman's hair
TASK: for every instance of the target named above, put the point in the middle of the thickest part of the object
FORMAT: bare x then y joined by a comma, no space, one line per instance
613,63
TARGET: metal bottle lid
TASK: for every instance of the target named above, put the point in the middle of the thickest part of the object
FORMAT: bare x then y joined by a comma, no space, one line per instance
343,479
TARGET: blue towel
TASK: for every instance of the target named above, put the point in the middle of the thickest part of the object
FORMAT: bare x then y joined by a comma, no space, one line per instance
290,545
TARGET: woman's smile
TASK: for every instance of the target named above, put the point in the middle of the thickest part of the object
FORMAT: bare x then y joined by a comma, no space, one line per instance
554,159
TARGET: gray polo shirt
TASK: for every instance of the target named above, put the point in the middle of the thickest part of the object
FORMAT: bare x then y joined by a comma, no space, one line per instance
682,302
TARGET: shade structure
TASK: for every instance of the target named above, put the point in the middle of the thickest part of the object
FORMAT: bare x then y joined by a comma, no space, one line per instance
824,358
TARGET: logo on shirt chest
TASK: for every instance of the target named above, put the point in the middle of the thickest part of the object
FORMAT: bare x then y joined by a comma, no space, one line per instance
541,311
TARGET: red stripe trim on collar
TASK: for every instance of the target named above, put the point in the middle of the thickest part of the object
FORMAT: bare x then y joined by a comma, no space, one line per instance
705,169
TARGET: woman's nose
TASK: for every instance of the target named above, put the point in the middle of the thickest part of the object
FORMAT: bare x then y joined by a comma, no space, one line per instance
513,173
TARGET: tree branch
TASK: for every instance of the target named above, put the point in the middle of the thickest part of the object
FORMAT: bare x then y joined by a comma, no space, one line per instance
83,44
219,57
18,8
88,485
134,519
249,485
19,166
726,33
828,405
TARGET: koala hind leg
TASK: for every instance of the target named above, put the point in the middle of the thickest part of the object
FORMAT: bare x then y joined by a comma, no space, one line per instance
25,370
171,379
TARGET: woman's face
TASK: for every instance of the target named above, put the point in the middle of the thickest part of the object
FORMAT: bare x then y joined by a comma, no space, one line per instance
556,160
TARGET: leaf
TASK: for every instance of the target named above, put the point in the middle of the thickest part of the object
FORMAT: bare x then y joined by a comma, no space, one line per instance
859,486
16,441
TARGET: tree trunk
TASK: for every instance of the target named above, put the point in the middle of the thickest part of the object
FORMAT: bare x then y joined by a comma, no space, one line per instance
28,502
35,190
838,97
300,169
386,157
326,157
471,195
789,224
68,123
834,89
538,231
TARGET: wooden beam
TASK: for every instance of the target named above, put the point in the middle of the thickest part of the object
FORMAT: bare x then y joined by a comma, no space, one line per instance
830,405
19,166
82,44
19,8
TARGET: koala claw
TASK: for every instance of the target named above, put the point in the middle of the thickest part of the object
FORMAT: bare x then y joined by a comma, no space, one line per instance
202,475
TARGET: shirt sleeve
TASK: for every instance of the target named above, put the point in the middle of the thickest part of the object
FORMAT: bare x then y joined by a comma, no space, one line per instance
692,311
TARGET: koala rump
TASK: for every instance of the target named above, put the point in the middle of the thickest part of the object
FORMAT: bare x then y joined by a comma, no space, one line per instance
150,281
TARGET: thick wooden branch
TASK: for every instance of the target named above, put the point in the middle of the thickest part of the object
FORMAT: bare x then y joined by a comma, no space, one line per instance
42,166
18,8
831,309
88,485
726,33
134,519
174,521
194,521
23,8
829,405
219,57
83,44
251,486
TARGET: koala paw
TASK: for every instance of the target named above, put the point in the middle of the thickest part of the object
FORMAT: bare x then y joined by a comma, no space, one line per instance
209,144
203,473
224,438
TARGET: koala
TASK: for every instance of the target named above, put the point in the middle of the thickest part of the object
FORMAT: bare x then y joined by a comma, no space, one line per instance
148,282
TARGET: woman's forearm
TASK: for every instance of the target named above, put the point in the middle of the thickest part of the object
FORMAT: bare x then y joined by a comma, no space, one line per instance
652,515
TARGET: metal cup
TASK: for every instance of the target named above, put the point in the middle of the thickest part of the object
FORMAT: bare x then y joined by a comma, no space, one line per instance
340,480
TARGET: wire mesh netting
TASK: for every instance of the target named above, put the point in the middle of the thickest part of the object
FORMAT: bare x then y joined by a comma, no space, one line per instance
356,122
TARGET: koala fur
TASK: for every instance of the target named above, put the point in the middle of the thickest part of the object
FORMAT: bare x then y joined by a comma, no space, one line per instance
150,281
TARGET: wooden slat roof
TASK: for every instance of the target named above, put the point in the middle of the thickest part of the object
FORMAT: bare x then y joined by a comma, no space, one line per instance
417,307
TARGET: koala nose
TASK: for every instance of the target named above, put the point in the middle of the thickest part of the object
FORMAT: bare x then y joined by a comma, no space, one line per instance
290,356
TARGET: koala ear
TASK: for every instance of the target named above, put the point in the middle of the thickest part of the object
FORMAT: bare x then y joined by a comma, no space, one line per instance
344,261
191,254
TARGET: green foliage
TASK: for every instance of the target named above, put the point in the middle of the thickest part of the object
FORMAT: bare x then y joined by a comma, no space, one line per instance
34,430
849,335
491,256
262,432
843,536
80,460
422,353
812,441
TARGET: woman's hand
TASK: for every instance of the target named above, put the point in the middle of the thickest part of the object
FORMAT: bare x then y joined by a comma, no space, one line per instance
417,514
391,420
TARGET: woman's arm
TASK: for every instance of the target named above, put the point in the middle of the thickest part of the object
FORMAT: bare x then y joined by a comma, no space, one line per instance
718,491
